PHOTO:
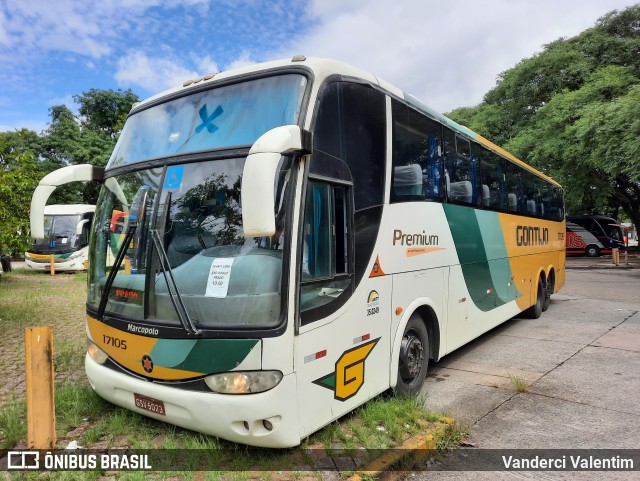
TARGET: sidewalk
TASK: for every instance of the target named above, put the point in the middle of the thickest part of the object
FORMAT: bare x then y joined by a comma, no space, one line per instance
632,261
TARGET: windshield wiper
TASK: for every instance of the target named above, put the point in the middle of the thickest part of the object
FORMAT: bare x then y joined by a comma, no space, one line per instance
133,224
179,306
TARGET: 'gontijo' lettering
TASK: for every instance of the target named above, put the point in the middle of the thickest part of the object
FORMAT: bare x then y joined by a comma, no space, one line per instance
531,236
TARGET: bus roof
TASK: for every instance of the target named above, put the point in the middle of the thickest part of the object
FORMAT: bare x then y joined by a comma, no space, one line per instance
68,209
323,68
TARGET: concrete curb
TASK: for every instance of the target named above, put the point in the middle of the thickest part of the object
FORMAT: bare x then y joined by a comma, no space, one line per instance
422,440
588,268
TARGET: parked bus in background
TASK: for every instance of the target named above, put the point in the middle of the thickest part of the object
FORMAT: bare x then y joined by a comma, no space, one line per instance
66,236
580,241
294,238
608,232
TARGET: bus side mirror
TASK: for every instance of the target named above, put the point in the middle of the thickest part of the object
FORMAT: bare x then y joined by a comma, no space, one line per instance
80,226
259,176
71,173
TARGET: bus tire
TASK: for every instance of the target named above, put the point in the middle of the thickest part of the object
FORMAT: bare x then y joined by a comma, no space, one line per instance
535,311
592,251
414,357
548,291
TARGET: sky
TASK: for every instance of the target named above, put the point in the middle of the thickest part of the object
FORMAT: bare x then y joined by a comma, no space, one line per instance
448,54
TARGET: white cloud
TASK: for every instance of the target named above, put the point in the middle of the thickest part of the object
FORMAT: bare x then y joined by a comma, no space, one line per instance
207,65
243,60
70,26
153,74
30,124
4,35
446,53
64,100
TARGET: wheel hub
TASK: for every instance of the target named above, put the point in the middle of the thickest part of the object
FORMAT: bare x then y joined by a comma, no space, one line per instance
411,356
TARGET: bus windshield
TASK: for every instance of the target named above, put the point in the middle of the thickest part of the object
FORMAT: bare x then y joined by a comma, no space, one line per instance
226,116
61,225
190,215
613,231
59,232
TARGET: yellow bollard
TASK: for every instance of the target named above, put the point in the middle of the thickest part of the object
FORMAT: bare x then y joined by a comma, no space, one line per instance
52,264
616,257
41,417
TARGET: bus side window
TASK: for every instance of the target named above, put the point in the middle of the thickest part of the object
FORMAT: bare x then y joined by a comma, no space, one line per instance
349,135
494,195
417,163
325,269
462,169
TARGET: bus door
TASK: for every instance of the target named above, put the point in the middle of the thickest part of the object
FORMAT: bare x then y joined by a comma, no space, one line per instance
342,349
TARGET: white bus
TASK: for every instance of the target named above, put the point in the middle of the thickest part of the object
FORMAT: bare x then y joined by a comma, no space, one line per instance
65,235
294,238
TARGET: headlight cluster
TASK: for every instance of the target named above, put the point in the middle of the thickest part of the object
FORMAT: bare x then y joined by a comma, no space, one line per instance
247,382
95,353
74,255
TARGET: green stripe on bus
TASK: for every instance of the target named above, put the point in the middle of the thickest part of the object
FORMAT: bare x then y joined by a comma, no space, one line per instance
205,356
496,249
478,239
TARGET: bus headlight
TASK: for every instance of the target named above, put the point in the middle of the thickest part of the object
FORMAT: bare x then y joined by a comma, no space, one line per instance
246,382
95,353
74,255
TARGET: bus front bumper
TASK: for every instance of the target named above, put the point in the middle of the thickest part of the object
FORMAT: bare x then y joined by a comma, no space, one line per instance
239,418
76,264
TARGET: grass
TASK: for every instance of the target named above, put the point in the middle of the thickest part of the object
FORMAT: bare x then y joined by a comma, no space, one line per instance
33,299
519,384
12,423
379,424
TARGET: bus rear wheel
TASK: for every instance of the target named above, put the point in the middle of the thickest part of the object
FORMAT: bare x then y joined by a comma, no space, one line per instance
592,251
548,291
414,357
535,311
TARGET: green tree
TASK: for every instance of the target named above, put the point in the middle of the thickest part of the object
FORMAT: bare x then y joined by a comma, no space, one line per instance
105,110
26,157
571,111
88,138
19,175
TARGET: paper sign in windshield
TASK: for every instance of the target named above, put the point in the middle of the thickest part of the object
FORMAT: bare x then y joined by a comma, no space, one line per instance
219,274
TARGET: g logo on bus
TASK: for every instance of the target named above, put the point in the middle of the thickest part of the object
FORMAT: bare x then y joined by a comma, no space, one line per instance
348,377
147,364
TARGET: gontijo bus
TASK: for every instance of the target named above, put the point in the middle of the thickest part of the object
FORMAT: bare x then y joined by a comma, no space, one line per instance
65,236
296,237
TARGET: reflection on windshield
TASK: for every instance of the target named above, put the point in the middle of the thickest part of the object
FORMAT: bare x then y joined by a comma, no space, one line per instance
613,232
61,225
224,278
226,116
60,233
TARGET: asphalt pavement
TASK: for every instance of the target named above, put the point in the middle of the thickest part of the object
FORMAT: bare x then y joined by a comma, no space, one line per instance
581,362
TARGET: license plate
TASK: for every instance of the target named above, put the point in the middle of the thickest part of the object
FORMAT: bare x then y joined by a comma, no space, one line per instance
148,404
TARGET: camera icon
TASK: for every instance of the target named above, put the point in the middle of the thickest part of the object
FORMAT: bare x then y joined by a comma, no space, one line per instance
23,460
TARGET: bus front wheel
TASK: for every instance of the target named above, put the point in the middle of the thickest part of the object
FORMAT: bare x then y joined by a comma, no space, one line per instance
414,357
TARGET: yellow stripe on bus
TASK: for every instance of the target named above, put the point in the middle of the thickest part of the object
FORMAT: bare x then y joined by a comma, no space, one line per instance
128,349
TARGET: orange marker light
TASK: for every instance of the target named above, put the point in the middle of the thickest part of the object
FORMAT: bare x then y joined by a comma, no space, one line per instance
399,310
